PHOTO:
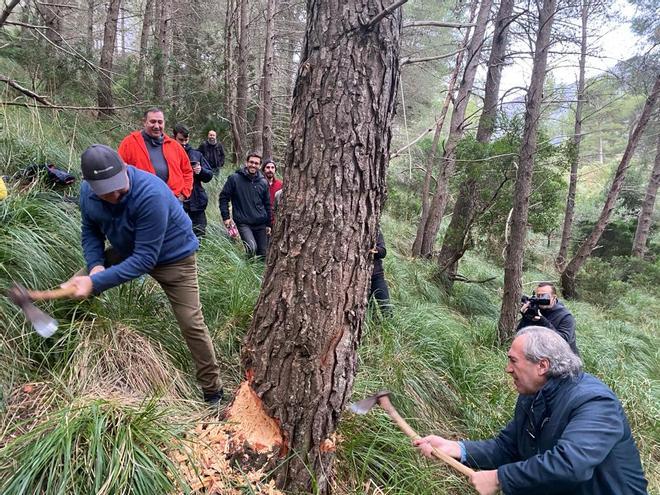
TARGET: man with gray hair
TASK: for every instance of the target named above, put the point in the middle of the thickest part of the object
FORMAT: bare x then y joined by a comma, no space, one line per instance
569,433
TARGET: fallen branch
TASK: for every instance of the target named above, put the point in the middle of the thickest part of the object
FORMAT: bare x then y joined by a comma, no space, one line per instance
8,10
456,25
70,107
461,278
26,91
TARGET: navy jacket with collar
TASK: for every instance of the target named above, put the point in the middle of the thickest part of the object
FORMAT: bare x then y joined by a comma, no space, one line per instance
249,196
556,318
571,438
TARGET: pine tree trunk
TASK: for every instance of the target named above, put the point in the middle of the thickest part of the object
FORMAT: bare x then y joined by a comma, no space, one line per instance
104,94
456,239
569,274
522,191
240,114
89,40
163,13
228,72
300,351
147,22
646,212
456,128
428,175
267,93
569,213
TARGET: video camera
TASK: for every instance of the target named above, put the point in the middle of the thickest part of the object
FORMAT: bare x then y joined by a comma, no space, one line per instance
535,301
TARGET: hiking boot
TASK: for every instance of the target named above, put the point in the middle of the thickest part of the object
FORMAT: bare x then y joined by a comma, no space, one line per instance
214,398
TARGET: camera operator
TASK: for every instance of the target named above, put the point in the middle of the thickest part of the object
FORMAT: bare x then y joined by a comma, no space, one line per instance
553,315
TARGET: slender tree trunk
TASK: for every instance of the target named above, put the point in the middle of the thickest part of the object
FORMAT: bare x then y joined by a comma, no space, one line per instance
265,80
456,129
9,7
163,13
147,22
569,213
52,15
518,233
104,94
300,350
240,114
465,212
646,213
569,274
228,72
89,41
440,122
267,93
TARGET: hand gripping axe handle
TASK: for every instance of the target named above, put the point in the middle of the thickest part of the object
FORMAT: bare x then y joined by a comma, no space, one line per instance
383,400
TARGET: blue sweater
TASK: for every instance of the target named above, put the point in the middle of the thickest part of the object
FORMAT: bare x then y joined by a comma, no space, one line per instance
148,227
571,438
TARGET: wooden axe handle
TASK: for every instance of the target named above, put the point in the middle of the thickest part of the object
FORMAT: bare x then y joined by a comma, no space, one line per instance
47,295
385,403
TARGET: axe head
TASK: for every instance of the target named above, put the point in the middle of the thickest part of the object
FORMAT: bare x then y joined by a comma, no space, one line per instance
43,324
365,405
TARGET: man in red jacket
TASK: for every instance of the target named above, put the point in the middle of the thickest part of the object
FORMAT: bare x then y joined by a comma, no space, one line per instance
151,150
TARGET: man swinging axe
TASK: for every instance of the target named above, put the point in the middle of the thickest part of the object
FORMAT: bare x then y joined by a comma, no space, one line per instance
149,233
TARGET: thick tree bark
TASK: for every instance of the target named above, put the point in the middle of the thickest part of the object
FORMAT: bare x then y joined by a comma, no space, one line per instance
53,16
467,206
456,128
569,213
440,122
646,212
569,274
239,133
518,233
147,22
104,94
300,351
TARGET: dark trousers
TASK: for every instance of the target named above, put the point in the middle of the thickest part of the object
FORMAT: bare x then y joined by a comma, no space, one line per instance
198,219
381,293
255,239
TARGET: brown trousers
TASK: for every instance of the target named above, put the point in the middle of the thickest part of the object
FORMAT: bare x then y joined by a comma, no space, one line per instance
179,282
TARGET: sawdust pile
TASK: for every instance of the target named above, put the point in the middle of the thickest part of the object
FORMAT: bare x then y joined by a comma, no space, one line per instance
219,458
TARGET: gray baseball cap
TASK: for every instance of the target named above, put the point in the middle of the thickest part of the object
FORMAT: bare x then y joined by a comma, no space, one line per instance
103,169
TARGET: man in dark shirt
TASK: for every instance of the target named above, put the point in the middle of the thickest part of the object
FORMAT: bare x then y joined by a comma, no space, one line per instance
554,316
213,151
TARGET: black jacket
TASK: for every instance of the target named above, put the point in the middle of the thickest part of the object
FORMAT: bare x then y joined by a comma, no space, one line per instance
198,198
571,438
249,196
557,318
378,257
214,154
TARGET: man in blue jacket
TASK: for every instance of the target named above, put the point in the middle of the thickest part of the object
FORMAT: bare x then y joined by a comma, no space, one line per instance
149,233
248,192
569,433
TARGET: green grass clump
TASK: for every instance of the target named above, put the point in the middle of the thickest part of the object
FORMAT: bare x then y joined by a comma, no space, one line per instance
100,447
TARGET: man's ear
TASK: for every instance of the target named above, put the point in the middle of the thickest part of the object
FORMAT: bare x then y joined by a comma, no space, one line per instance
543,366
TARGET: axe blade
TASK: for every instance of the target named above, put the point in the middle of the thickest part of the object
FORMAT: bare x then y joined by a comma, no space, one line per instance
42,323
365,405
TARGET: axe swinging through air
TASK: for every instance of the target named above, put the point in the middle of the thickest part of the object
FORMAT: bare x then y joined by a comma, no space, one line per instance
44,324
383,400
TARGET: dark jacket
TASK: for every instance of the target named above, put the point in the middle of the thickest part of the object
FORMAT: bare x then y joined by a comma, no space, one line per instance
147,227
249,196
198,199
378,257
557,318
214,154
572,437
